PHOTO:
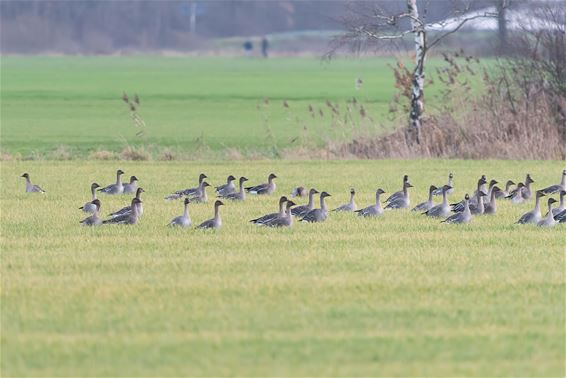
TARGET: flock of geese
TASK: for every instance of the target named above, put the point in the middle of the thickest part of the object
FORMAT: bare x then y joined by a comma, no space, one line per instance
482,202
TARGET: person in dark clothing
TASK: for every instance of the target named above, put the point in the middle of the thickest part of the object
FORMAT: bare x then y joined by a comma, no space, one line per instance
248,47
264,46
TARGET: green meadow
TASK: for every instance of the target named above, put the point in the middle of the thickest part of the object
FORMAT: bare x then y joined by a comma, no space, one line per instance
402,295
187,103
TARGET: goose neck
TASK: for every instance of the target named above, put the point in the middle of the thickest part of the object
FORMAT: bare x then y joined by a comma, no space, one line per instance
322,203
186,211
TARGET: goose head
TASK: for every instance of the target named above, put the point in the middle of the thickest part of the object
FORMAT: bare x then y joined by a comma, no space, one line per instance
432,188
290,204
540,194
450,176
201,177
271,176
133,179
282,200
529,179
467,197
96,203
230,178
551,201
25,175
243,179
380,191
120,172
324,195
493,182
187,201
94,185
313,191
352,191
446,188
218,203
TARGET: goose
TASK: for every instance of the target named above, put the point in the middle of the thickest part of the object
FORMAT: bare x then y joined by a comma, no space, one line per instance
487,198
440,190
424,206
301,211
527,194
128,209
286,220
117,188
190,192
267,188
216,222
31,188
350,206
463,217
398,194
442,210
132,186
558,187
182,220
373,210
402,202
94,219
561,206
459,207
504,193
317,215
269,217
90,207
237,196
200,195
534,215
491,207
561,216
548,220
130,218
299,191
227,188
516,195
478,206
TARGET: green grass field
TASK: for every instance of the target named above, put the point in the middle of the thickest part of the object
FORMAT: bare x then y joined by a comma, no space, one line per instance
76,101
401,295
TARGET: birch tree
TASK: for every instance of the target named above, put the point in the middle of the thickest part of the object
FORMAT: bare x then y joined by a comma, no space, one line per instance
367,26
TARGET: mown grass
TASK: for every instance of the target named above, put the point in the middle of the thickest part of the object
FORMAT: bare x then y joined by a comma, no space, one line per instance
185,101
400,295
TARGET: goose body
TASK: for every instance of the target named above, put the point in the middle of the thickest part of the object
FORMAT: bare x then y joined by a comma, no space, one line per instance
301,211
561,216
270,217
130,218
128,209
299,191
94,219
461,218
516,195
216,222
350,206
533,216
459,207
317,215
561,206
402,202
200,195
438,191
237,196
132,186
398,194
117,188
182,220
442,210
31,188
90,207
558,187
427,205
527,194
504,193
227,188
491,207
285,220
548,220
190,192
373,210
263,189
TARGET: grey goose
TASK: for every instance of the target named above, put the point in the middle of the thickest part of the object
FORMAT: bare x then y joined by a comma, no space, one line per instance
527,194
459,206
461,218
477,207
442,210
439,190
31,188
548,220
299,191
190,192
561,216
286,220
200,195
301,211
350,206
269,217
561,206
132,186
239,195
398,194
128,209
558,187
117,188
90,207
373,210
533,216
216,222
130,218
491,207
227,188
516,195
266,188
94,219
487,198
317,215
402,202
504,193
182,220
427,205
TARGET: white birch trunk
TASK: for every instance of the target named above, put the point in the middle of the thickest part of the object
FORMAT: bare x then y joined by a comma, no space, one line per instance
417,93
